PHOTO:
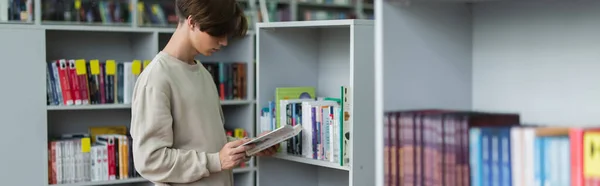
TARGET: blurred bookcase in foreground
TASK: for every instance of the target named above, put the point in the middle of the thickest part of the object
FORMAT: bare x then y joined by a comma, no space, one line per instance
532,58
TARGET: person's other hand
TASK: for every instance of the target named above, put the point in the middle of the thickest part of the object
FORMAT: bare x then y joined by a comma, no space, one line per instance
233,153
268,151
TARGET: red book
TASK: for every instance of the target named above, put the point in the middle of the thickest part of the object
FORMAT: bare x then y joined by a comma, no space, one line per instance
74,82
576,145
52,163
65,86
112,169
386,150
82,80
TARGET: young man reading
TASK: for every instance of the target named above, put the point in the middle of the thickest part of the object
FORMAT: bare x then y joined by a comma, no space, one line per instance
177,122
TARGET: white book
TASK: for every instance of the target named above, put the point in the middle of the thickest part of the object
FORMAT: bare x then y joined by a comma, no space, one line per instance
272,138
517,166
128,82
528,158
346,124
59,161
4,5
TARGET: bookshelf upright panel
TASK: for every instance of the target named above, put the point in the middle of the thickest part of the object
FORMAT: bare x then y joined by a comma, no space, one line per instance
325,55
23,114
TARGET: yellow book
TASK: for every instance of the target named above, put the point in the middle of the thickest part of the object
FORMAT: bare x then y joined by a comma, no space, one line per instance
591,154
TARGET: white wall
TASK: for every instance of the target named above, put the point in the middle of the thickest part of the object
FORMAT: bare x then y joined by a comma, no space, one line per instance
427,56
539,59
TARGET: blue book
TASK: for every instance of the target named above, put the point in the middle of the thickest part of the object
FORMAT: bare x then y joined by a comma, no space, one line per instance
496,156
539,161
475,156
486,159
505,158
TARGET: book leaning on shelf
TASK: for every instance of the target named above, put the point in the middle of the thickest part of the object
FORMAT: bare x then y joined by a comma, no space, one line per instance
325,123
103,154
82,82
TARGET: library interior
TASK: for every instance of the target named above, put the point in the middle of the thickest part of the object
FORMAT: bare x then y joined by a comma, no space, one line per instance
377,92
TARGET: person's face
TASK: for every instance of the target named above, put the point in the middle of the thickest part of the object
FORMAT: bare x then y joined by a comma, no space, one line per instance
204,43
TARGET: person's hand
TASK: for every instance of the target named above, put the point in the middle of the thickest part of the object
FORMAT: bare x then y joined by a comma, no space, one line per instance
268,151
233,153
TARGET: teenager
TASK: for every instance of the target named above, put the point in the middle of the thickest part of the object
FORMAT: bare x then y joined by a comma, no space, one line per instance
177,122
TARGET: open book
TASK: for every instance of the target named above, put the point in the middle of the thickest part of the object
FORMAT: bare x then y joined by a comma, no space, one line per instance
272,138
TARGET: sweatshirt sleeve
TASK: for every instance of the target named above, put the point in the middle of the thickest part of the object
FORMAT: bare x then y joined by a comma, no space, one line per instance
151,130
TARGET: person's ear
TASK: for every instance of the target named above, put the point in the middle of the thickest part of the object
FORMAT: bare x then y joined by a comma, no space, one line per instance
189,22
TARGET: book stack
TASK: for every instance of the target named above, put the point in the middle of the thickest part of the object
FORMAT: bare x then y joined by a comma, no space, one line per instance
230,78
469,148
83,82
103,154
325,133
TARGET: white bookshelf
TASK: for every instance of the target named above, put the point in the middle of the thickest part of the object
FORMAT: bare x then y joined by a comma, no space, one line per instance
324,55
535,57
35,122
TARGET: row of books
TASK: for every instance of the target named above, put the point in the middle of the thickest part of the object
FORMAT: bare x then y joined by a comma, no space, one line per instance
230,78
327,15
149,13
443,147
101,11
83,82
431,147
16,10
329,2
536,155
101,155
160,13
325,133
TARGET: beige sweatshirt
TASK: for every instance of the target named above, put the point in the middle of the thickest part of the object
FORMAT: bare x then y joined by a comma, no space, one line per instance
177,125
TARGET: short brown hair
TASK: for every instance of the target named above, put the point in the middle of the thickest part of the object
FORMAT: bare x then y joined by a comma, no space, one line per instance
215,17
